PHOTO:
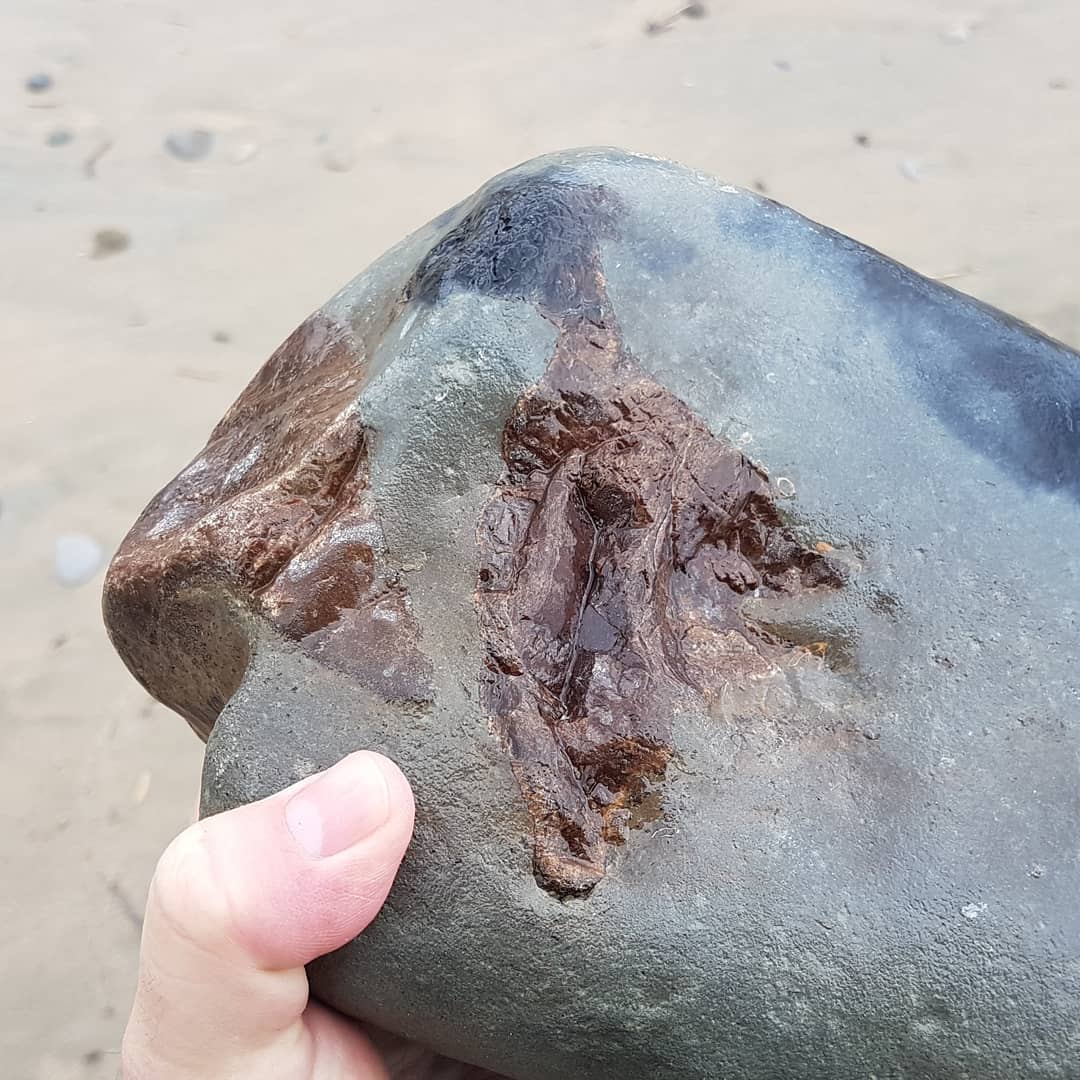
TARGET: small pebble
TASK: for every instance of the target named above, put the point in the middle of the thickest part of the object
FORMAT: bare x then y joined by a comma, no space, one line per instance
1037,871
783,65
39,83
862,139
59,137
222,337
785,487
76,559
660,26
909,170
244,153
972,911
761,187
109,242
961,30
142,788
191,145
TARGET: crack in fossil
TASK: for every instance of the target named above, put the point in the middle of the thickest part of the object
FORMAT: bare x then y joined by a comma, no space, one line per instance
586,596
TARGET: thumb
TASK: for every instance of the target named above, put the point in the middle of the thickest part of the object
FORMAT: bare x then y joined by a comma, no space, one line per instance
238,905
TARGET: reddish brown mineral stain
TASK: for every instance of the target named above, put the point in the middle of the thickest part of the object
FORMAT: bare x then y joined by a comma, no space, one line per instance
613,563
271,519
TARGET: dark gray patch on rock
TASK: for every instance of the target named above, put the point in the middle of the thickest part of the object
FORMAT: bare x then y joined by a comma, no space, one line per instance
1010,393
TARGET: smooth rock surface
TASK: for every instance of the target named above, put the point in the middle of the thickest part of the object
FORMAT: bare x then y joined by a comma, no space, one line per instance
715,581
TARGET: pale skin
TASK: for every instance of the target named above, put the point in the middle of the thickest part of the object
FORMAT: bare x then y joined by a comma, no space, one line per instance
238,905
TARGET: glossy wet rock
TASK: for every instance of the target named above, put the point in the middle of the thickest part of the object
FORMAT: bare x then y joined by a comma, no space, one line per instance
714,580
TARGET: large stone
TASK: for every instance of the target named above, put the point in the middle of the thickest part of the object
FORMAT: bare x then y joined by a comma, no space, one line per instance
715,581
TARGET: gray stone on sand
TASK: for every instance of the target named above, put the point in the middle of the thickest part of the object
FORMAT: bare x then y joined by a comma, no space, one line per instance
715,580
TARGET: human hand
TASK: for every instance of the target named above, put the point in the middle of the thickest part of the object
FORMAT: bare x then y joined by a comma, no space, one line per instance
238,905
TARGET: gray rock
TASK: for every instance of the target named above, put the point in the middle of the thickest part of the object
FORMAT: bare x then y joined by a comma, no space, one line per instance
715,581
39,82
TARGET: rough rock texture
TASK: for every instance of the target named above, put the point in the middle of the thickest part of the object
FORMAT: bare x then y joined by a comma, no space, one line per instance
716,582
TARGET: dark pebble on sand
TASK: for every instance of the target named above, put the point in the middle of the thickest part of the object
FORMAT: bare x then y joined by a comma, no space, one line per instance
109,242
191,145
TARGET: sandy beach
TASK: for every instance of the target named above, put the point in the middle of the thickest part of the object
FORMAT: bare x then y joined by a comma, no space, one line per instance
182,182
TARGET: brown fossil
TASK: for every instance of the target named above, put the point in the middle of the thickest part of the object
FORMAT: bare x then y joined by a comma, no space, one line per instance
614,560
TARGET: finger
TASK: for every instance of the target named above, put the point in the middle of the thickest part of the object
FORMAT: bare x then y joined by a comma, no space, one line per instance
240,902
404,1059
